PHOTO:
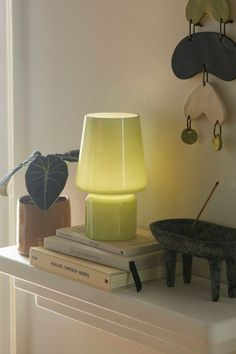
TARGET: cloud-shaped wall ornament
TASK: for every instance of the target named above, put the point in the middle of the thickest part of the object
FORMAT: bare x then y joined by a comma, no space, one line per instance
218,9
204,101
205,49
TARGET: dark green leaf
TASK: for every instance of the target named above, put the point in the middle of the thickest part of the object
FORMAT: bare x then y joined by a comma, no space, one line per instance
45,179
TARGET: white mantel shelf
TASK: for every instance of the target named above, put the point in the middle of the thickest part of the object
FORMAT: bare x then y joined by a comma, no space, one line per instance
179,320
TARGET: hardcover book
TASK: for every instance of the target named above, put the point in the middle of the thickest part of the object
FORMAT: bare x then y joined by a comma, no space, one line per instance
76,249
97,275
141,243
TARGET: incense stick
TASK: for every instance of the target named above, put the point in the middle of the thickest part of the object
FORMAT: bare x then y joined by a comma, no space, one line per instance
205,204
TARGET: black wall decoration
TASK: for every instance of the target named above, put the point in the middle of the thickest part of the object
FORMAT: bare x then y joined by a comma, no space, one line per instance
219,56
207,53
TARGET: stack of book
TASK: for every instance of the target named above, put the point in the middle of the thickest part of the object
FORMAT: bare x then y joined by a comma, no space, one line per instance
108,265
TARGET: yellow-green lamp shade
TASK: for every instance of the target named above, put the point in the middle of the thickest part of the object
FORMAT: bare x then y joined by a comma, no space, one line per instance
111,155
111,167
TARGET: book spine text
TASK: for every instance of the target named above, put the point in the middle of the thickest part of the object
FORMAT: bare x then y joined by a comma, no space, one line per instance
69,269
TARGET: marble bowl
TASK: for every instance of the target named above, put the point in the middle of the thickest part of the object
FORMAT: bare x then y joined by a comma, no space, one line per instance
203,239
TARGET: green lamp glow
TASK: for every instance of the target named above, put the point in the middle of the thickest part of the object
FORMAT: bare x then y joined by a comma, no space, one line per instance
111,168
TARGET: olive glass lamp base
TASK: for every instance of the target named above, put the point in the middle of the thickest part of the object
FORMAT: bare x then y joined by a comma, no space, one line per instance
111,217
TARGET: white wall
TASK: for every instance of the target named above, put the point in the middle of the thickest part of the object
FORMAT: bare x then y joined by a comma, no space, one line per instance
75,56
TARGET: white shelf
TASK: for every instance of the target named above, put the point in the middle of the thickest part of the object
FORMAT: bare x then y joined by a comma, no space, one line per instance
179,320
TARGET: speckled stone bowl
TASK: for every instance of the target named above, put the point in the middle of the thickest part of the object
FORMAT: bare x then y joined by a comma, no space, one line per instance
214,242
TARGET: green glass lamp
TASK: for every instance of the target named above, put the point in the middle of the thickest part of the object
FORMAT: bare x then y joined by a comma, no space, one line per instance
111,168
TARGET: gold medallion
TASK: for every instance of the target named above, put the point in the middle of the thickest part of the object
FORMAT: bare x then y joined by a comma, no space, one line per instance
217,142
189,136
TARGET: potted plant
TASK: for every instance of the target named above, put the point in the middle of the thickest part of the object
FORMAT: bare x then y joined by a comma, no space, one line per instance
43,210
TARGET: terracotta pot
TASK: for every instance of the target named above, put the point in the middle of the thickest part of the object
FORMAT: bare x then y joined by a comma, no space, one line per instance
33,224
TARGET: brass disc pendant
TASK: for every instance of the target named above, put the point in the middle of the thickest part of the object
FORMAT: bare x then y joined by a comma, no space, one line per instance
189,136
217,142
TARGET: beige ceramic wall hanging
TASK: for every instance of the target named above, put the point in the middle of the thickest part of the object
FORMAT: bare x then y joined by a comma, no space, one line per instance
203,101
210,53
218,9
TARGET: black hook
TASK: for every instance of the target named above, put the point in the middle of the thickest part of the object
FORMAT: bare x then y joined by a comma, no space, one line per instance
192,27
223,27
189,123
204,75
217,124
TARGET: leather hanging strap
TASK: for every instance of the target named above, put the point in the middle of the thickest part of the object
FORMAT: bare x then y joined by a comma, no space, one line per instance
135,275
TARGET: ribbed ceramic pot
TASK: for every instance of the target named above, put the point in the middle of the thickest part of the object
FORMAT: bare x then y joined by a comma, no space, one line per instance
33,224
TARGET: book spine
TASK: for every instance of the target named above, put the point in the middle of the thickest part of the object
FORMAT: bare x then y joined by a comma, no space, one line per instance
70,270
75,249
